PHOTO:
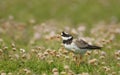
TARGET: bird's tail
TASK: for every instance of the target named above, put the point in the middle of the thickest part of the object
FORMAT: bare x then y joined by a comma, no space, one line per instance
94,47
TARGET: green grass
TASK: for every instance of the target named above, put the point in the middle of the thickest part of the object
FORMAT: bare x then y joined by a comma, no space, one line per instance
39,66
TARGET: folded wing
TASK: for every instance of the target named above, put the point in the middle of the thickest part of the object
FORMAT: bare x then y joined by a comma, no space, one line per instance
84,45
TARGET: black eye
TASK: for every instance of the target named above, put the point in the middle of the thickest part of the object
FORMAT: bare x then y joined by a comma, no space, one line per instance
63,33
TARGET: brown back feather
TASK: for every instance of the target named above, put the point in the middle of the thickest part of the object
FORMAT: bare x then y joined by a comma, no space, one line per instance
84,45
81,43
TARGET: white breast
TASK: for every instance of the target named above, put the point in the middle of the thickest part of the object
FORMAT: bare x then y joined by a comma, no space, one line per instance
72,47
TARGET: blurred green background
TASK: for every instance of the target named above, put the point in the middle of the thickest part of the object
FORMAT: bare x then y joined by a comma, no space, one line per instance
75,11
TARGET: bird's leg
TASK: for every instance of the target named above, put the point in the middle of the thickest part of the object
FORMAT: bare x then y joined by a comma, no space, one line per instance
76,59
80,59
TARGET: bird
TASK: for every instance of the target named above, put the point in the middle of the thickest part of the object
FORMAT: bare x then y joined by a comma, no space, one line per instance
77,46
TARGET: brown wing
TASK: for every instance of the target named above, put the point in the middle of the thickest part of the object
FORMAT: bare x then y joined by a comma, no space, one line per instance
81,44
84,45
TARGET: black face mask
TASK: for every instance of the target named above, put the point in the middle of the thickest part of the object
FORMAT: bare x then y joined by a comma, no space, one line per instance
65,35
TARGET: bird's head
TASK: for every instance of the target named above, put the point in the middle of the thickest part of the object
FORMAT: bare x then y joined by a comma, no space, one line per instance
66,36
